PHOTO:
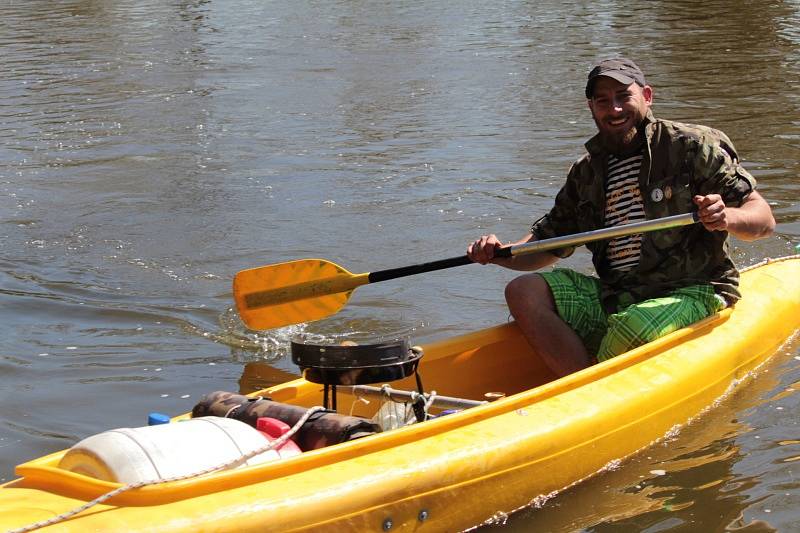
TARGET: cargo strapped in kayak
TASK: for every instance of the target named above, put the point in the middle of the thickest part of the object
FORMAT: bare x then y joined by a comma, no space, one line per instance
324,428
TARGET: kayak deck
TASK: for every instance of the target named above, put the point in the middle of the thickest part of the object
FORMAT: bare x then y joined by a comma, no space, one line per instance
456,470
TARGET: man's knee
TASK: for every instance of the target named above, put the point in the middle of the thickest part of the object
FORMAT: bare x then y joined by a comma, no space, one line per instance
529,291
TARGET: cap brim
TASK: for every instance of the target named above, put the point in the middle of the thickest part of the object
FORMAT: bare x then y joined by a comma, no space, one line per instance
614,75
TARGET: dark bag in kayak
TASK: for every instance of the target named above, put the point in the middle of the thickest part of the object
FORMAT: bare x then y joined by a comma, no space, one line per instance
322,429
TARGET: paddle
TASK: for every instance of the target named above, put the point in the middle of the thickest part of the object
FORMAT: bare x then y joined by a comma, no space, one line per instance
309,289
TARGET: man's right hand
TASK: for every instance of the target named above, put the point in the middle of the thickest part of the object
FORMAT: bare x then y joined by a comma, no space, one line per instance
482,250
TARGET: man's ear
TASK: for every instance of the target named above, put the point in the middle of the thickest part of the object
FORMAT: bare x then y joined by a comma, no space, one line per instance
647,93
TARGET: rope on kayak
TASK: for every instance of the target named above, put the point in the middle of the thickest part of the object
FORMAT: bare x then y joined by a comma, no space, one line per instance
277,443
769,260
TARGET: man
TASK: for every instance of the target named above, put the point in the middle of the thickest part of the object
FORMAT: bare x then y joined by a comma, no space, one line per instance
637,167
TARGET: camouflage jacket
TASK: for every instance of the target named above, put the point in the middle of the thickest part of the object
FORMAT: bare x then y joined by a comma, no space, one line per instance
679,161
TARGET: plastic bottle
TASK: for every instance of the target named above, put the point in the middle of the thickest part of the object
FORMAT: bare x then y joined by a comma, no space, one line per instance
393,415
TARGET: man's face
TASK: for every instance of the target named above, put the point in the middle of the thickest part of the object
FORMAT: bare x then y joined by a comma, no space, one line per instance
618,109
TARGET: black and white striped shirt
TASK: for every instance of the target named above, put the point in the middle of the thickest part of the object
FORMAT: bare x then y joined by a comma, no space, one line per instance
624,206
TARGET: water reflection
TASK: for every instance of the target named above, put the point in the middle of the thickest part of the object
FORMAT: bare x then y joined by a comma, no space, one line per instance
257,376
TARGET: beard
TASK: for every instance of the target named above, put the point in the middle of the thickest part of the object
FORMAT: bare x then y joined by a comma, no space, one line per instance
621,142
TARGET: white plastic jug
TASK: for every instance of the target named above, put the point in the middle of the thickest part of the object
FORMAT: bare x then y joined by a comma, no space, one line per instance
129,455
393,415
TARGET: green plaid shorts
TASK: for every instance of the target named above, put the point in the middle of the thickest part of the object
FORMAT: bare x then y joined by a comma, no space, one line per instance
577,298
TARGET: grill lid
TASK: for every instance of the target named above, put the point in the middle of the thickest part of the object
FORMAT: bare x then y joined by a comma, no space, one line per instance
355,364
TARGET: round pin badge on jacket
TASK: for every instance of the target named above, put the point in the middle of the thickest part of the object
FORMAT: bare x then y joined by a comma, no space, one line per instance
657,194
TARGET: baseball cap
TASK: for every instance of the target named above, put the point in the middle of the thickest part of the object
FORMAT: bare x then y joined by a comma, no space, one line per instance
621,69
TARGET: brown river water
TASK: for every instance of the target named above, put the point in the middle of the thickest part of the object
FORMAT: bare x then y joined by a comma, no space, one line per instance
151,149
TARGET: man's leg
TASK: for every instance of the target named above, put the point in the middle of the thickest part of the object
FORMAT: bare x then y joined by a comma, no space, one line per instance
533,306
648,320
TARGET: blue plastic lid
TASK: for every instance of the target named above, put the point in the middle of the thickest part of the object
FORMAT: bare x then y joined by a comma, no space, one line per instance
154,419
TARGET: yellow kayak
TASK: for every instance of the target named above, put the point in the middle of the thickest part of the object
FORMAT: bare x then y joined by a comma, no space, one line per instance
450,471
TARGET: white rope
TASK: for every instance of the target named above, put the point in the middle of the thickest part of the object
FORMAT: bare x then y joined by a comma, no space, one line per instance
357,400
235,407
769,260
429,403
277,443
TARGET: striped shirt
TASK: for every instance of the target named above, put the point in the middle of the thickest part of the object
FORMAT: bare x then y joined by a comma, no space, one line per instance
624,206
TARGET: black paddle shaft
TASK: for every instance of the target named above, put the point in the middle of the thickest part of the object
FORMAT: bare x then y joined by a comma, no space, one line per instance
441,264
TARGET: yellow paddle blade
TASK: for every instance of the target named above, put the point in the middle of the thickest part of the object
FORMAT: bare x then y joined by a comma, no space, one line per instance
278,295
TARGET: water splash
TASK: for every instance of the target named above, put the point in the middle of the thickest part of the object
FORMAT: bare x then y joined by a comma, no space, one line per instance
275,344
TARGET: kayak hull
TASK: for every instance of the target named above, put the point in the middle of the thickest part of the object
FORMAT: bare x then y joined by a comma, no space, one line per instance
456,471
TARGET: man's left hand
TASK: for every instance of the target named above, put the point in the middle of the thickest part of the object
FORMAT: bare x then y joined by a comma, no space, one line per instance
711,211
